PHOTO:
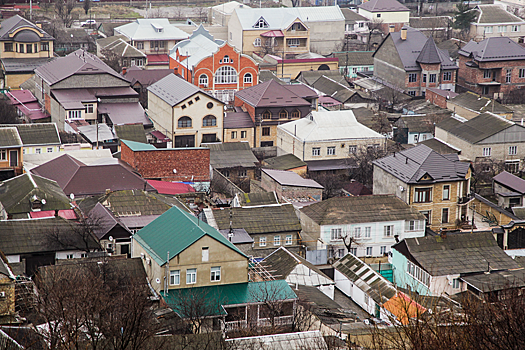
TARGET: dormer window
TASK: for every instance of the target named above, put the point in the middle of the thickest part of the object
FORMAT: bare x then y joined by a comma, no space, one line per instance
261,23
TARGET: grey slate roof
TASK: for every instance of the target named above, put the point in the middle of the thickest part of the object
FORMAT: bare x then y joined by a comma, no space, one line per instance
458,253
478,128
365,278
37,134
9,137
231,155
412,164
493,49
146,77
16,194
352,16
172,89
383,6
355,58
237,120
283,262
495,281
240,236
289,178
260,220
511,181
439,146
19,65
284,162
310,76
410,49
495,14
360,209
479,103
11,24
338,91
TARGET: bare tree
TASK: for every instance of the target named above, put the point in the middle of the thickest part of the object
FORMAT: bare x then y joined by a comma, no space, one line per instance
8,114
332,183
483,172
75,235
112,59
87,6
63,9
361,162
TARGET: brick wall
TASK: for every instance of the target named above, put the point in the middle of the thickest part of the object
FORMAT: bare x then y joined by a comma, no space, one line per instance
190,163
436,99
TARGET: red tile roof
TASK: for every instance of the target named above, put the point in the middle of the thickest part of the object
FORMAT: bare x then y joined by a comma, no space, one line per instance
165,187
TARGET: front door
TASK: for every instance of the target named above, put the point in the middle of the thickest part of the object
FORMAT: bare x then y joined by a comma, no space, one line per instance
13,158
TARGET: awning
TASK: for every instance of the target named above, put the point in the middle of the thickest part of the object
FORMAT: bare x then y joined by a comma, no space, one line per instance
158,59
159,136
273,34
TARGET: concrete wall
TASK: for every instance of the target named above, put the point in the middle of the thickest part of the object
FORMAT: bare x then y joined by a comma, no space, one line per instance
269,184
386,17
326,37
388,65
479,32
385,183
86,81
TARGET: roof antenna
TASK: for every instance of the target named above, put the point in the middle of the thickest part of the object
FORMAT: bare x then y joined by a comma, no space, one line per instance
230,233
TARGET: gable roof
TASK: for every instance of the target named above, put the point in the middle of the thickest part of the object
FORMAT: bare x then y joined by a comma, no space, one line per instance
478,128
477,103
9,137
495,14
412,164
289,178
334,89
13,23
200,45
329,125
271,94
237,120
79,62
231,155
37,134
410,49
360,209
458,253
146,77
511,181
173,89
104,221
310,76
352,16
175,231
284,162
493,49
355,58
260,219
440,146
132,132
120,47
151,29
16,194
383,6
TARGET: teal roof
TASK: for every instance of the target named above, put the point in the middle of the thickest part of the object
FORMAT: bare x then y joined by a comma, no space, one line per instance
138,146
173,232
228,294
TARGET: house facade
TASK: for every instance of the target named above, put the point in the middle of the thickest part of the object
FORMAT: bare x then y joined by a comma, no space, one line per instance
383,13
509,190
413,62
38,138
290,187
185,113
213,65
370,224
433,184
494,21
11,155
493,67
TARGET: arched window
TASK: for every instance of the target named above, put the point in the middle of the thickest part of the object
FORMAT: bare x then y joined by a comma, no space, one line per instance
184,122
225,75
209,120
248,78
267,115
296,114
283,114
203,79
257,42
226,59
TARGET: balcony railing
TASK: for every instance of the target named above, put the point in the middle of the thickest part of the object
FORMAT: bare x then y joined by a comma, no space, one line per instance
262,322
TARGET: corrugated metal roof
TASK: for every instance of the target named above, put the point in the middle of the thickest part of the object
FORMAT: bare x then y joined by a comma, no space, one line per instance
257,198
132,132
284,162
479,103
361,209
383,6
231,155
290,178
172,89
151,29
495,281
511,181
495,14
37,134
124,113
478,128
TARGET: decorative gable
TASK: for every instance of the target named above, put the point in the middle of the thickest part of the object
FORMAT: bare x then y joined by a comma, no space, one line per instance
261,23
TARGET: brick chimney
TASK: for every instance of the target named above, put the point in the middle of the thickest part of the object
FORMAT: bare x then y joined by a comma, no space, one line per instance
391,28
404,31
124,70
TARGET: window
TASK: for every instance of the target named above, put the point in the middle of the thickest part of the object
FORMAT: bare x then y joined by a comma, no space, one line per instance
203,80
316,151
502,29
423,195
418,273
205,254
335,234
487,151
447,76
69,256
267,115
74,114
296,26
3,154
277,240
44,46
369,251
261,23
444,215
226,59
38,150
226,75
248,78
209,120
296,114
368,231
283,114
488,30
353,251
352,149
512,166
183,107
361,25
508,75
388,230
456,283
242,173
383,249
288,240
378,15
197,98
357,232
243,134
266,131
29,48
515,28
174,277
412,77
234,134
257,42
340,253
294,42
191,276
446,192
414,225
330,151
8,47
190,103
140,45
487,74
522,73
215,274
184,122
50,150
209,105
412,93
432,78
262,241
89,108
424,78
513,150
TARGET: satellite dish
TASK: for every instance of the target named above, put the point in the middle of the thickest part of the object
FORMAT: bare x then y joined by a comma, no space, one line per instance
174,171
110,238
157,280
72,196
44,201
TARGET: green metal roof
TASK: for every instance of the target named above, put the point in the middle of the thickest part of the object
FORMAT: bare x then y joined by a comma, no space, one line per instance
229,294
138,146
173,232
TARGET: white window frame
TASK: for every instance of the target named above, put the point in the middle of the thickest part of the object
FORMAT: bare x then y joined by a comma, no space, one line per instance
369,251
74,114
215,274
203,80
50,150
276,240
205,254
357,232
353,251
191,276
89,108
515,28
521,73
257,42
330,151
288,240
140,45
316,151
488,30
383,249
352,149
262,241
243,134
388,230
446,190
487,74
418,273
293,42
432,78
502,29
335,234
487,151
412,77
513,150
226,75
248,78
174,275
38,150
456,283
368,231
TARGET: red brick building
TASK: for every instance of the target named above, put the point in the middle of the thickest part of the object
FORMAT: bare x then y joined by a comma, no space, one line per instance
213,65
191,164
439,97
493,67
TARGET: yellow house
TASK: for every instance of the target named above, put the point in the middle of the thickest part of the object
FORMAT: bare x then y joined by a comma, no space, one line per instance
10,153
24,47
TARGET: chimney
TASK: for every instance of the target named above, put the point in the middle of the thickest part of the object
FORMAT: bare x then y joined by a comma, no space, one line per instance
124,70
391,28
404,33
176,70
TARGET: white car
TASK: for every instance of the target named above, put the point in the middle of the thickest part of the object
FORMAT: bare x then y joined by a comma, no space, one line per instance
88,23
